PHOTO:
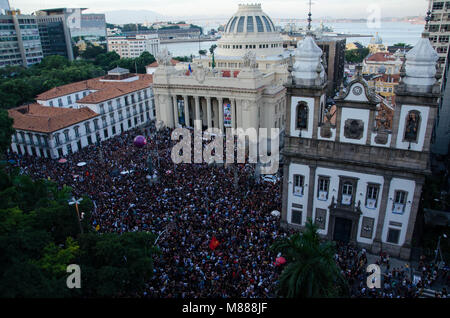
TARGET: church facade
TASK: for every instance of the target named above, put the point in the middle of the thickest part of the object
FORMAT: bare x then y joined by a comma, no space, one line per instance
357,178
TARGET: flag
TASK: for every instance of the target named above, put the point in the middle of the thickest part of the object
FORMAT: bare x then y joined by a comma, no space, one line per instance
190,69
214,243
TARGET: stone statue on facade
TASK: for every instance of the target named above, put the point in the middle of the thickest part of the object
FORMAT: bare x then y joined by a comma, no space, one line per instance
249,60
164,58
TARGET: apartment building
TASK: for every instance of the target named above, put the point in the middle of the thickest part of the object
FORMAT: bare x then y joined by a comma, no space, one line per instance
20,43
134,46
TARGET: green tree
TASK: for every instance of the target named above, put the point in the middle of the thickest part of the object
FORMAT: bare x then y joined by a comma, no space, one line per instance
356,55
311,271
212,48
6,131
40,237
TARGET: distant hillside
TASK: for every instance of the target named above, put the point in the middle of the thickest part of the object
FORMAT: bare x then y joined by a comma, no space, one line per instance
132,16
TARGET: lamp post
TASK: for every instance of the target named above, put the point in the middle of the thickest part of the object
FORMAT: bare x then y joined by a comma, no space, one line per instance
76,202
438,248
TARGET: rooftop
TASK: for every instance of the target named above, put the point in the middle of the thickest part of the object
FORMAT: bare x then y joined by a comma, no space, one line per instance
155,64
44,119
102,90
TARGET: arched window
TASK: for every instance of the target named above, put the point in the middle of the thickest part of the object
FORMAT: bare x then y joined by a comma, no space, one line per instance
302,115
412,125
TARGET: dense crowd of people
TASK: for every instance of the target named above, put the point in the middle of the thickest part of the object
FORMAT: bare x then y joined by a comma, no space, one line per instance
188,206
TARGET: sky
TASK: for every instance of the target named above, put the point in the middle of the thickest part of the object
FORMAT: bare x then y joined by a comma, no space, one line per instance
213,8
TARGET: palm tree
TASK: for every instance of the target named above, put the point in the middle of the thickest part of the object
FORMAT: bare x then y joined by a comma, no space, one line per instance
311,271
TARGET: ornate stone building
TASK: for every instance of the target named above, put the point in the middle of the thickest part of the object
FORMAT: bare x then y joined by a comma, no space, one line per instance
240,92
357,178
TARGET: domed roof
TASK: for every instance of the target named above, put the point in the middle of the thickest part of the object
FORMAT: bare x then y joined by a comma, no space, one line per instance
250,19
250,29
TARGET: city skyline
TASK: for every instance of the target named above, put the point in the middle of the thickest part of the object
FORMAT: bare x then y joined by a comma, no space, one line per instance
275,8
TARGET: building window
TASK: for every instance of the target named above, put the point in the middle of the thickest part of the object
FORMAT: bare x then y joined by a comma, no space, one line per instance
57,140
60,103
69,99
302,115
372,196
77,132
102,109
399,202
51,103
324,184
69,149
66,135
347,192
296,217
393,236
299,181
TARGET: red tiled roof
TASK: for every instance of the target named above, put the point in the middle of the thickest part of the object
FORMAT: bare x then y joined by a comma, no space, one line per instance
381,57
104,90
44,119
155,64
388,78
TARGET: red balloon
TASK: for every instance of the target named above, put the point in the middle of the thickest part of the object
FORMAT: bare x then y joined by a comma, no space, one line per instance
140,141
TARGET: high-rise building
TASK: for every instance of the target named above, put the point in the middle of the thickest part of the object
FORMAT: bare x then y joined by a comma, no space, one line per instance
438,26
54,33
91,25
355,177
20,43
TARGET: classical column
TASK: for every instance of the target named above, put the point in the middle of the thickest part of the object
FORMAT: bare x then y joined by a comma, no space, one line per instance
311,193
338,123
208,111
405,250
175,111
377,242
197,108
220,113
233,113
186,111
370,127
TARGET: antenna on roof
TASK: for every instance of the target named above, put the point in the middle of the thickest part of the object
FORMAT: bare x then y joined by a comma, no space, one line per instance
309,16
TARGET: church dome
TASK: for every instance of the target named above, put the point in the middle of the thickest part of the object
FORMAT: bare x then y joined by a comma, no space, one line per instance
250,29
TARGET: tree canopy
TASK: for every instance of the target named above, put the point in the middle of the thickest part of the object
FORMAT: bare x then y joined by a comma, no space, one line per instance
311,271
356,55
40,237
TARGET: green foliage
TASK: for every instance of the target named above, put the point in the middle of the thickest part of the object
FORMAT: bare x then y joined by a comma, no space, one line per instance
92,51
183,58
403,45
202,52
356,55
6,131
212,48
40,237
311,271
20,85
115,265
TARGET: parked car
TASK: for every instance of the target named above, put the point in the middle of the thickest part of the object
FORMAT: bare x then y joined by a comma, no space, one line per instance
270,178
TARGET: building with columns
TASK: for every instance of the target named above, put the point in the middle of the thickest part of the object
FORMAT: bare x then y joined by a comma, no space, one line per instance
240,92
359,179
